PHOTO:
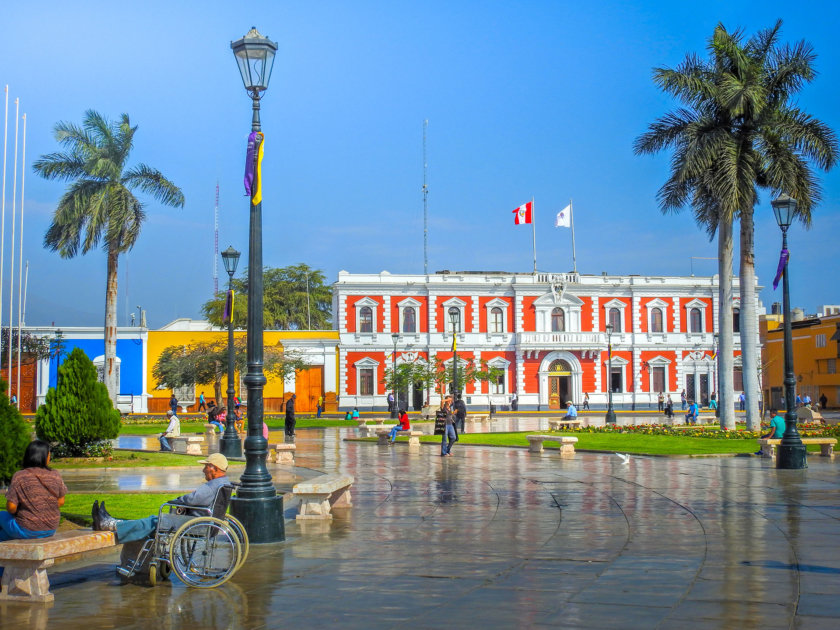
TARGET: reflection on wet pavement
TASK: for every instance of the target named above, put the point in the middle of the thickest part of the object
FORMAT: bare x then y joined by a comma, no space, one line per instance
501,538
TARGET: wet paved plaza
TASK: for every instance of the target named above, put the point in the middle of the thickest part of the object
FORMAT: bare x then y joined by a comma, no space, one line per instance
500,538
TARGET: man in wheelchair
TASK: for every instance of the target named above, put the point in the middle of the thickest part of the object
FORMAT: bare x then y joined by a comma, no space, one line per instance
215,472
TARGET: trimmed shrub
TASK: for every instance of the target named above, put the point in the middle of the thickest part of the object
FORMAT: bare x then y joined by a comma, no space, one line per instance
78,413
14,437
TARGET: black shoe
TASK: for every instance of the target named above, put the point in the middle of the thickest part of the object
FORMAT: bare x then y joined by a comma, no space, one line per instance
103,513
94,512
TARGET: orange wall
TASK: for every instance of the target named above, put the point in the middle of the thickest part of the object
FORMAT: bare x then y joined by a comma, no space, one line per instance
422,312
482,312
351,311
529,315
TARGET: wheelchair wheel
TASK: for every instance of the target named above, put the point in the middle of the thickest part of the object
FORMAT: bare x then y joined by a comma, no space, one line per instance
164,570
242,535
152,574
205,552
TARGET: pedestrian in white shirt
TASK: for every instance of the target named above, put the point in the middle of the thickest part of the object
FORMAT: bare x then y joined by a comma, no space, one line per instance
173,429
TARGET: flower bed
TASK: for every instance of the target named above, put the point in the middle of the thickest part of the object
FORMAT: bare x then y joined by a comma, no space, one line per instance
805,430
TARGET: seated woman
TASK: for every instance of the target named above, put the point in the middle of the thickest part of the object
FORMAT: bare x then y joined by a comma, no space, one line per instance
33,498
238,421
402,426
215,416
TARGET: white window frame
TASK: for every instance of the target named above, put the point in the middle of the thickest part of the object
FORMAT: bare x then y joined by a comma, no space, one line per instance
657,362
504,364
401,306
366,364
662,305
570,304
621,306
489,306
701,306
622,363
551,318
461,306
374,306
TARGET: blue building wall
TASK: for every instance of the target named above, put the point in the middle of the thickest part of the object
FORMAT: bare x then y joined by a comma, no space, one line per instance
129,351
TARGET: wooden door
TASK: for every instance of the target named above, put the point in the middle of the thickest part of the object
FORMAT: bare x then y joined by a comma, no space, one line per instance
28,370
309,385
554,392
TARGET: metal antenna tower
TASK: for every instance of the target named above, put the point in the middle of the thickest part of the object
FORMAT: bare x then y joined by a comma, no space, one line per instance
425,205
216,244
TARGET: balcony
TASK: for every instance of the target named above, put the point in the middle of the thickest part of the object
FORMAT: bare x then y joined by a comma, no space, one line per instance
577,340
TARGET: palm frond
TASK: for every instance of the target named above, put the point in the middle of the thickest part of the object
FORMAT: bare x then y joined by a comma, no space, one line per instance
59,166
152,181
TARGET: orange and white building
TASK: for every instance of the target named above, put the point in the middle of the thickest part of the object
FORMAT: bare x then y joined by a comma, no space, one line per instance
546,331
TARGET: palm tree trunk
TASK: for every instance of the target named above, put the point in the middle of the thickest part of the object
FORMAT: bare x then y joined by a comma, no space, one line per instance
749,334
725,347
111,326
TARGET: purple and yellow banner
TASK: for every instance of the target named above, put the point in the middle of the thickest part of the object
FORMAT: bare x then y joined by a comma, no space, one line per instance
783,259
228,307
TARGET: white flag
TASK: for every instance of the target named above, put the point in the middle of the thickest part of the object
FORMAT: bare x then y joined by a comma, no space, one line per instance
564,217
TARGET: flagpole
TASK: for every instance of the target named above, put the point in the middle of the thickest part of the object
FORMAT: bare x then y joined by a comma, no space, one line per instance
534,227
20,256
12,257
572,218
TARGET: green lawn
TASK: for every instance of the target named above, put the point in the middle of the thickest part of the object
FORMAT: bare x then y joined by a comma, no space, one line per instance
622,442
124,505
131,459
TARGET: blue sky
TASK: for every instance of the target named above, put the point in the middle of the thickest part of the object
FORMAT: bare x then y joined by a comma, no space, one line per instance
524,99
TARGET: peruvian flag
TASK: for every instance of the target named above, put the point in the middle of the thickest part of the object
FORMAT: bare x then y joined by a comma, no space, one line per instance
523,213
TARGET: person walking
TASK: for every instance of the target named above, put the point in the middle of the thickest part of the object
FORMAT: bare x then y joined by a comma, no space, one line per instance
173,429
742,401
823,401
320,405
514,402
290,416
390,402
661,401
669,407
173,404
683,399
460,415
449,431
202,404
585,401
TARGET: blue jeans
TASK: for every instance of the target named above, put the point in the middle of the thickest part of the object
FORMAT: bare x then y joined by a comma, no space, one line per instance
393,434
139,529
164,444
10,530
445,448
218,424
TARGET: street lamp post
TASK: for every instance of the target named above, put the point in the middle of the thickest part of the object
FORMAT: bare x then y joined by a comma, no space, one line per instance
394,337
791,453
453,318
610,417
256,503
719,400
229,444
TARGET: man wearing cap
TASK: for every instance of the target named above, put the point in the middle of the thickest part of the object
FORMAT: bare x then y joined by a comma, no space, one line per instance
173,429
215,472
571,412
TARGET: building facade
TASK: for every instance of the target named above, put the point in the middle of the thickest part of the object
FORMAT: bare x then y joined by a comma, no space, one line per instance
546,332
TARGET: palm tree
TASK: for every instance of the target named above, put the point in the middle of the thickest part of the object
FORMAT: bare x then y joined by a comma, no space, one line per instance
99,205
739,132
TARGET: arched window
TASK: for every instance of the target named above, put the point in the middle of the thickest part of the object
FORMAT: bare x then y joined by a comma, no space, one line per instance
496,320
656,320
615,319
559,366
558,320
409,320
454,314
696,320
365,320
736,320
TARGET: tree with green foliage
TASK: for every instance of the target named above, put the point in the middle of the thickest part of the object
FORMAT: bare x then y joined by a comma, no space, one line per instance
206,362
99,204
740,131
292,297
78,412
14,436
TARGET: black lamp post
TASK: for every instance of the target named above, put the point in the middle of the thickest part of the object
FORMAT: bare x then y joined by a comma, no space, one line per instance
256,503
719,400
453,318
229,444
791,453
610,417
394,337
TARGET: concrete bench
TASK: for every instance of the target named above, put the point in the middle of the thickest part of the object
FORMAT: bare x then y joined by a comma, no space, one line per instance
804,414
25,562
768,446
567,444
187,444
413,438
282,453
369,430
319,495
556,425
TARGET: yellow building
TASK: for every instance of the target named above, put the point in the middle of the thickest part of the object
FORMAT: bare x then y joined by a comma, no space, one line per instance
816,351
318,348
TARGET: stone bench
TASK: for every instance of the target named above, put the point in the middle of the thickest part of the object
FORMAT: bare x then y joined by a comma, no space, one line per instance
567,444
319,495
369,430
25,562
768,446
282,453
187,444
556,425
413,438
806,414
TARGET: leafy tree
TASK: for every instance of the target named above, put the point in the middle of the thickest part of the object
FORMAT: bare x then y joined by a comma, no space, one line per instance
14,436
284,300
36,346
99,205
207,362
739,131
78,411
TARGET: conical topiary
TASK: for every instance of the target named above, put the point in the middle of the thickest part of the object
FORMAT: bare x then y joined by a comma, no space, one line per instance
78,411
14,437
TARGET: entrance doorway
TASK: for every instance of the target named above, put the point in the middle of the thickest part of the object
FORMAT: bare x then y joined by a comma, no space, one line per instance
559,384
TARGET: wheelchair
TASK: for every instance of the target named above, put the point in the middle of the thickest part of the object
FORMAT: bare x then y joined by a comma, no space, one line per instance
204,546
